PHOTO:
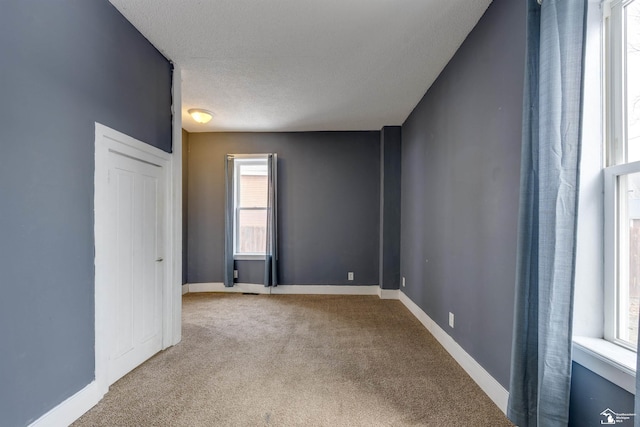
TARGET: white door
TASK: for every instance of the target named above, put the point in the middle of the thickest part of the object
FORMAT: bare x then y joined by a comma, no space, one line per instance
135,263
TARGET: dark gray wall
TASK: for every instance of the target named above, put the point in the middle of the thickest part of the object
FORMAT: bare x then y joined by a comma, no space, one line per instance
591,394
390,187
460,178
185,204
328,188
65,65
250,271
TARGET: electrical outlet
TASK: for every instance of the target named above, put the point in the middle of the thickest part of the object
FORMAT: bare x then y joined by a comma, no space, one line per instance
451,319
404,283
235,274
350,275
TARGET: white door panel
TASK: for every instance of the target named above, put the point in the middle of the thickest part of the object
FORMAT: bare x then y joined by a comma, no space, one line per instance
135,261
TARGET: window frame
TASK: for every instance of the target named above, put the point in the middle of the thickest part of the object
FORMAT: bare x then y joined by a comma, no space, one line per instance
612,206
616,166
239,161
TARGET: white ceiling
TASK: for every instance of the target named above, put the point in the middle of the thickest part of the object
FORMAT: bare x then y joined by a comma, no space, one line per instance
298,65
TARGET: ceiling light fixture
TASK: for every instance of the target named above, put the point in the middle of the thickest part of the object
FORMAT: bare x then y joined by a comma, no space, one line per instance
200,115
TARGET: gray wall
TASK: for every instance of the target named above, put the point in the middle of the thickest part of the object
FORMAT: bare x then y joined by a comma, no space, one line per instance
460,178
591,394
65,65
390,189
328,188
460,175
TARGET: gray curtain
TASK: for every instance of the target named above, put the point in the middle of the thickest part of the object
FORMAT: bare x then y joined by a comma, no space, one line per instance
541,355
271,252
228,222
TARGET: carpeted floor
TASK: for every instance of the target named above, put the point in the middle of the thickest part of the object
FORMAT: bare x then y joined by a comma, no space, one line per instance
284,360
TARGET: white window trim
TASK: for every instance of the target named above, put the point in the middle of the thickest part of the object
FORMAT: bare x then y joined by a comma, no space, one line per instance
248,257
614,88
590,349
611,361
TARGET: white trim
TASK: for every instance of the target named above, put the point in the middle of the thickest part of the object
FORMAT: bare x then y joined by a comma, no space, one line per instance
219,287
249,257
185,288
487,383
238,162
173,331
250,156
108,140
588,312
610,254
291,289
72,408
389,293
611,361
325,290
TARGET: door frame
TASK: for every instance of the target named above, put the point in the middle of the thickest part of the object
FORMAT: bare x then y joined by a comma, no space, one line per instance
109,140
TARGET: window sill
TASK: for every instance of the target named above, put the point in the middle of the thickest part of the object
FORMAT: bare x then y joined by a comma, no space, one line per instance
248,257
612,362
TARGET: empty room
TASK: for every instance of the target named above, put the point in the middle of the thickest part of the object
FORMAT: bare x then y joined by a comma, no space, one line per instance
319,213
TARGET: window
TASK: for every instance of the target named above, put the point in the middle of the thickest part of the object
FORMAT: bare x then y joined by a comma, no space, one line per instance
250,207
622,173
250,220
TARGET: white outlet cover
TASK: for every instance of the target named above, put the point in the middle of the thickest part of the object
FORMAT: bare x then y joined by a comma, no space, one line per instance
403,282
451,319
350,275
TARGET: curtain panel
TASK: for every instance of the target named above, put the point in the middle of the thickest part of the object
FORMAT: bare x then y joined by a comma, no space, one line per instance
271,251
541,355
229,262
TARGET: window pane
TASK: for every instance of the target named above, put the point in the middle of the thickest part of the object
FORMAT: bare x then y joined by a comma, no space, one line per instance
632,73
253,185
252,231
251,197
628,257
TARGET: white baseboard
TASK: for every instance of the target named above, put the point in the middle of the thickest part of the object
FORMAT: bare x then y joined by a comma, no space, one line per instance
389,293
185,288
487,383
285,289
219,287
71,409
325,290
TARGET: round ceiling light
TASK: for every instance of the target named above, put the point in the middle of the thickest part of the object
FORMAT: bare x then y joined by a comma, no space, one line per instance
200,115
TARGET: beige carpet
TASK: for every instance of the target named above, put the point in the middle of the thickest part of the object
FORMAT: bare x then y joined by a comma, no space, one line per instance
283,360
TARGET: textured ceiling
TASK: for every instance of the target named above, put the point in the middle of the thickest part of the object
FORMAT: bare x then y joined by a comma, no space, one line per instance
293,65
